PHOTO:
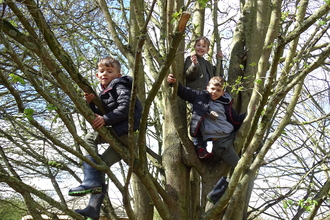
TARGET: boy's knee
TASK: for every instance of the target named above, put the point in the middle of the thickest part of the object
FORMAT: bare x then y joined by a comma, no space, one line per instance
231,158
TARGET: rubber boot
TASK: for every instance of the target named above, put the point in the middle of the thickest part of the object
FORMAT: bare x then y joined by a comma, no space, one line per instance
92,181
218,190
92,211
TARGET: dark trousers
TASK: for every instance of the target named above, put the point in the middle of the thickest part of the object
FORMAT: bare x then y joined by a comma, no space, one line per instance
223,147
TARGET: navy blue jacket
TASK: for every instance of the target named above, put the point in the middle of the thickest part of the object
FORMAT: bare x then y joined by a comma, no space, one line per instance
200,100
115,99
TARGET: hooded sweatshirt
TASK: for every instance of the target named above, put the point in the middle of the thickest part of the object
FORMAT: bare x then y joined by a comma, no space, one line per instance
201,100
216,125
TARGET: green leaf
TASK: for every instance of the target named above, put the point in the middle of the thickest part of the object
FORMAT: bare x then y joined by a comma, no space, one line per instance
203,3
50,107
270,45
28,112
284,15
285,205
54,163
321,23
16,79
253,64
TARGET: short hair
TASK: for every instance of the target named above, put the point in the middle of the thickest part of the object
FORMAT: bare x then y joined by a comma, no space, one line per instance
218,81
110,62
203,38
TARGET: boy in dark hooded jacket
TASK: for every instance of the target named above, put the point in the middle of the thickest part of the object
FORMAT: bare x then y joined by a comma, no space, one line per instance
115,96
215,119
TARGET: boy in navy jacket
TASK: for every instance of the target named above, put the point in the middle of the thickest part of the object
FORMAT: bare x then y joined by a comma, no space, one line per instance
115,94
216,120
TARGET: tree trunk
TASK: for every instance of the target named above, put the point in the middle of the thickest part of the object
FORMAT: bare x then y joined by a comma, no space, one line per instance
177,174
142,203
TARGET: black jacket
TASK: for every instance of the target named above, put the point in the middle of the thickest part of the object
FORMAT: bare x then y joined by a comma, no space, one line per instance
115,99
197,77
200,100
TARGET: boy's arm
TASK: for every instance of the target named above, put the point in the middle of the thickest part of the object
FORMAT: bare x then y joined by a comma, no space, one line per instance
89,99
184,93
235,119
191,69
238,117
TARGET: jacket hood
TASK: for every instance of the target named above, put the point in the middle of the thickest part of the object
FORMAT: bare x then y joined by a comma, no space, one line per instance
225,99
124,80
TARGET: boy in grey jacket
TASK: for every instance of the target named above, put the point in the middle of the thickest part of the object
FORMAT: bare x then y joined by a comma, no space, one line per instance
216,120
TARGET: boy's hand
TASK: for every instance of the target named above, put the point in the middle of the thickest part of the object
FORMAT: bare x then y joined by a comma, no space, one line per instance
171,79
193,59
89,97
220,55
98,122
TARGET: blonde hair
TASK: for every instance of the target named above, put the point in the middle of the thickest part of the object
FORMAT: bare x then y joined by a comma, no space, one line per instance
110,62
217,81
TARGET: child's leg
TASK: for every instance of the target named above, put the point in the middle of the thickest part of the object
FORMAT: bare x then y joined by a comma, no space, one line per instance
218,190
92,211
230,156
92,182
223,147
93,178
93,139
110,156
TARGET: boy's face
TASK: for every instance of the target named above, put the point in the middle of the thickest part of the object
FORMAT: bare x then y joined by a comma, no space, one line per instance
201,48
215,91
106,74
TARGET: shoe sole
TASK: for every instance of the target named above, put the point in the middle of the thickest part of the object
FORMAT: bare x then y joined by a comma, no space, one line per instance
96,190
207,156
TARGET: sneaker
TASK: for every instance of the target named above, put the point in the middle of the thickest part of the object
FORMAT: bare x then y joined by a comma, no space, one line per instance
203,154
209,205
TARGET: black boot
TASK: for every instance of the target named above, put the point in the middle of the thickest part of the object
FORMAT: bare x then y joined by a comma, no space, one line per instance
92,211
218,190
92,182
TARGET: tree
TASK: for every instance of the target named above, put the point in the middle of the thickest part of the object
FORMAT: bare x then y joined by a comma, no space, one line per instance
11,208
277,69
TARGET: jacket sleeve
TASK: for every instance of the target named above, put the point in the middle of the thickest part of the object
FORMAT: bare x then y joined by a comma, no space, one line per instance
191,70
187,93
94,108
120,112
234,118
